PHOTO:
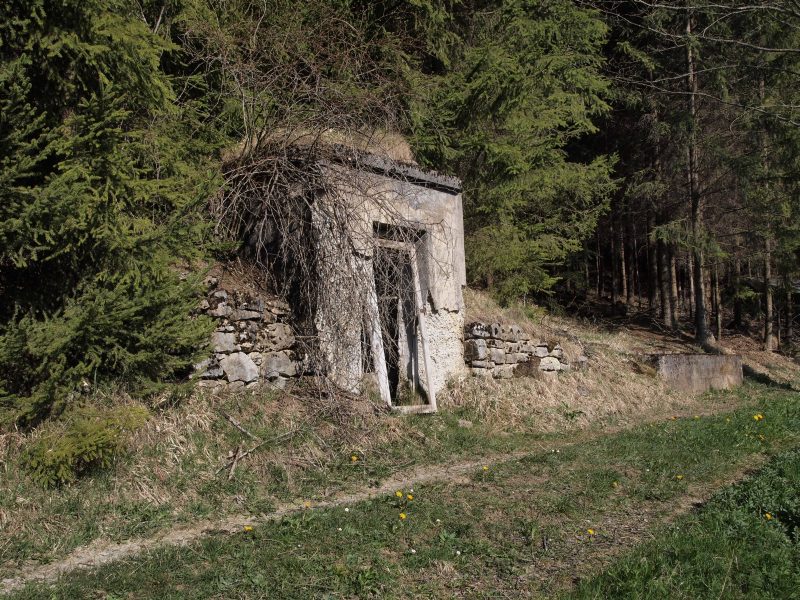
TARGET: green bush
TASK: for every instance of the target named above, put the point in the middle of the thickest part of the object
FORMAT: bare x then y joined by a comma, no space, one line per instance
104,176
91,439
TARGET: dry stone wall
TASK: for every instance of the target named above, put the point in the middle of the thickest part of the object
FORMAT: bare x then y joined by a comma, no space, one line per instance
252,343
495,350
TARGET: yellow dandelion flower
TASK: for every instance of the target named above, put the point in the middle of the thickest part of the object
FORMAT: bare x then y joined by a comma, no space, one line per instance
402,516
697,416
590,531
399,494
247,528
768,516
485,468
678,477
615,484
307,504
410,497
354,458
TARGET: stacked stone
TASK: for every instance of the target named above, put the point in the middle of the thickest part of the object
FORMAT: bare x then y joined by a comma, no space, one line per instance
252,343
504,351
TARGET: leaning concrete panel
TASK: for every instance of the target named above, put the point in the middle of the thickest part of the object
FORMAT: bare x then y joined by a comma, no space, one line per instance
697,373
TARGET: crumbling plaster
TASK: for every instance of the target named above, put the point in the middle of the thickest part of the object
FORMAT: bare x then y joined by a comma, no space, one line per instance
345,264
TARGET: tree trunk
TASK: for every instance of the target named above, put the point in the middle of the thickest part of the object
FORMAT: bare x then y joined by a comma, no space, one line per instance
621,265
700,320
664,271
690,277
737,300
769,316
614,265
673,288
652,266
630,257
717,303
599,262
789,313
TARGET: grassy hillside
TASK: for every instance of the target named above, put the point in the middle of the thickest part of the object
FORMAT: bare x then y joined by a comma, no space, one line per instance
310,447
524,527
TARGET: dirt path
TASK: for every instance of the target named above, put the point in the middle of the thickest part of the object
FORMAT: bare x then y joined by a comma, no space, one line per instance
102,552
575,560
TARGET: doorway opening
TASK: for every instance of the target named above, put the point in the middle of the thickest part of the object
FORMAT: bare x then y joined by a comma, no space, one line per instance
399,343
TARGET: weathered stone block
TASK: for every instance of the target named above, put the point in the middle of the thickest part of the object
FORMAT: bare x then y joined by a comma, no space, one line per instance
244,315
481,364
222,310
522,357
477,330
497,356
557,351
696,373
278,363
496,331
211,383
511,347
280,336
482,373
475,350
239,367
224,342
549,363
503,371
278,383
541,351
279,308
511,333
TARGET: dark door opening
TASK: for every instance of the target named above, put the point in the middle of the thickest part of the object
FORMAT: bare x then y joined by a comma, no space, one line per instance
394,285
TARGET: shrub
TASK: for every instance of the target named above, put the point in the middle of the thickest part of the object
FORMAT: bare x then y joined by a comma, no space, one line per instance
90,439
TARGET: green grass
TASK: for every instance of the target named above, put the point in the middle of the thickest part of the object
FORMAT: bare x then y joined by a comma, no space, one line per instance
518,529
46,524
744,543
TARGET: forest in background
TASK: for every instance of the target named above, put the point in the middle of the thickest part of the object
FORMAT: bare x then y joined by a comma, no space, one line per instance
637,152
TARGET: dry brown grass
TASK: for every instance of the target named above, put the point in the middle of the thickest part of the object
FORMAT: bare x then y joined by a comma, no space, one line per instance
618,384
170,474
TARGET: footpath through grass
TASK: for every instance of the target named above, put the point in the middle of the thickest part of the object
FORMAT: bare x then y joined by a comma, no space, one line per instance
745,543
525,528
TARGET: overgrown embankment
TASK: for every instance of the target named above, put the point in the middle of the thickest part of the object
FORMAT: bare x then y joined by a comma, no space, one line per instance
523,527
179,469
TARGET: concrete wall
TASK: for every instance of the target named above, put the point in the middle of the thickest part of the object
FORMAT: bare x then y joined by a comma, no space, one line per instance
697,373
361,199
445,332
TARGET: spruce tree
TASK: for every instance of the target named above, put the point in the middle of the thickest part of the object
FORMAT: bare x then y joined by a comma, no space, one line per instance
100,190
506,111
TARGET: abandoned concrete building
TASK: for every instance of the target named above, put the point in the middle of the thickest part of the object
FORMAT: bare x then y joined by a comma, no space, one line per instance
379,247
399,261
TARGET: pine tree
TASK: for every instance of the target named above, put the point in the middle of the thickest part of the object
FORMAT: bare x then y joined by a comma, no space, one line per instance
99,201
523,86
